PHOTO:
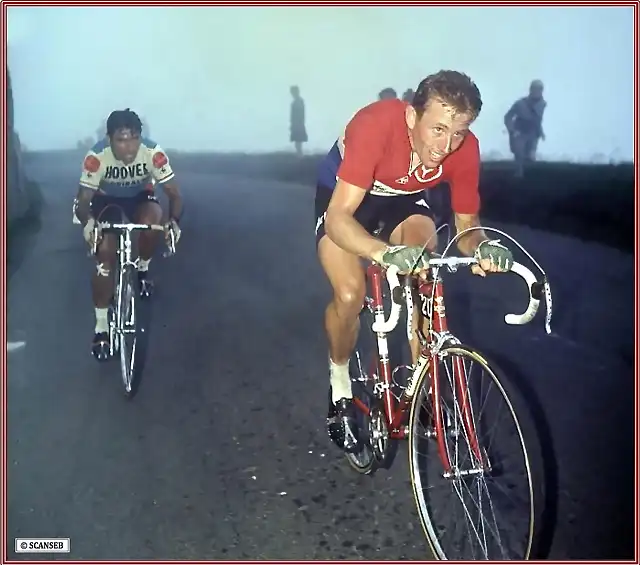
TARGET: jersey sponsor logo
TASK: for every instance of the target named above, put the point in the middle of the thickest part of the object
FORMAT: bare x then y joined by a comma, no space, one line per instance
159,160
132,171
91,164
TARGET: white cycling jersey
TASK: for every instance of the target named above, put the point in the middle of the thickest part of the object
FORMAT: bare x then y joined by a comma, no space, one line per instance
76,220
102,171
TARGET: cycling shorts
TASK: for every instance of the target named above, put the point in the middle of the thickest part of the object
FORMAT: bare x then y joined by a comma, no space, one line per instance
384,213
105,208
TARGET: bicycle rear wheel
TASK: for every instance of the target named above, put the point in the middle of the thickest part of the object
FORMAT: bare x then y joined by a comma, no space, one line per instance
127,330
480,512
363,370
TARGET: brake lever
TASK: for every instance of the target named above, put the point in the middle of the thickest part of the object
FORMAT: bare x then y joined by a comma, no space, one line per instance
171,246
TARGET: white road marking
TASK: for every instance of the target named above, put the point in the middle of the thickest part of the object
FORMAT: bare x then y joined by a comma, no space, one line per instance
15,345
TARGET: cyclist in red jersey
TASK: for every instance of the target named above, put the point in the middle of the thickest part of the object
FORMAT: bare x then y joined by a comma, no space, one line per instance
375,176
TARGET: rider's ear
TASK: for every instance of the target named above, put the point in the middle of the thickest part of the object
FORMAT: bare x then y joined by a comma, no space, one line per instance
411,117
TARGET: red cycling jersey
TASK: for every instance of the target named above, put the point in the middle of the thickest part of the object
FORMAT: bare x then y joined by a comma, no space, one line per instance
375,153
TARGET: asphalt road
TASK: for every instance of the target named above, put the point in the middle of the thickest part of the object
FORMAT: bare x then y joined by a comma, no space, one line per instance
223,454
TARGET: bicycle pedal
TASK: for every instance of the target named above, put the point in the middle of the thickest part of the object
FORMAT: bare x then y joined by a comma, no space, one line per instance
101,352
146,289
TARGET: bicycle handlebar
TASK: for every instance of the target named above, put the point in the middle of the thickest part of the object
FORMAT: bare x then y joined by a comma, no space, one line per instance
131,227
534,286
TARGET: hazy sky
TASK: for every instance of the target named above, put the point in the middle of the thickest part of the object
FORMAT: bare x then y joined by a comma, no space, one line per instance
218,78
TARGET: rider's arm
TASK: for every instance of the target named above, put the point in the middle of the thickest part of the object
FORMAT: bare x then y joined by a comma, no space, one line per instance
467,244
364,141
465,195
92,172
83,211
172,190
163,174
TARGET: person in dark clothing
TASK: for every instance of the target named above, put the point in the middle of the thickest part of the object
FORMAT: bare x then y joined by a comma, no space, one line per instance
524,126
298,131
408,95
387,94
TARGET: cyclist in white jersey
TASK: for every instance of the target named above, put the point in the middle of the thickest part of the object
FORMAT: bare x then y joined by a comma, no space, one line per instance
119,174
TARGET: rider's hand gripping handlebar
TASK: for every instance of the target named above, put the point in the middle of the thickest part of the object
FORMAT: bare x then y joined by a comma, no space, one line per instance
535,288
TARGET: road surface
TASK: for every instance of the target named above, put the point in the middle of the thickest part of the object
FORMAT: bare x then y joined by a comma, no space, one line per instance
223,454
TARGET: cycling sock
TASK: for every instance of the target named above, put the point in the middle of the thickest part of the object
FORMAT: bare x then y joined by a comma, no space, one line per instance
340,381
102,320
143,265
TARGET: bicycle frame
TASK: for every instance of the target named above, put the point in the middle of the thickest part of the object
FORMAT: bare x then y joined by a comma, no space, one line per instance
396,411
431,294
125,252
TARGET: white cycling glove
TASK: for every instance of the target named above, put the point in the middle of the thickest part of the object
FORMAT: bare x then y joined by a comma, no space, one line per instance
173,226
87,230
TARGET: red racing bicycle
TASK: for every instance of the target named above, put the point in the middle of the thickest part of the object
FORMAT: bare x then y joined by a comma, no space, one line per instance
470,477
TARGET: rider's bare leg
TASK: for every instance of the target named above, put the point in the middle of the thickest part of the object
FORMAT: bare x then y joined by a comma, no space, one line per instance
102,280
346,275
148,213
416,230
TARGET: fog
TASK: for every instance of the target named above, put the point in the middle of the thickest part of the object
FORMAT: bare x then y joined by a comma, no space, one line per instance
218,79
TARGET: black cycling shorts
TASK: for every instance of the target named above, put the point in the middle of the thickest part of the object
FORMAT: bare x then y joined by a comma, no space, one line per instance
376,212
105,208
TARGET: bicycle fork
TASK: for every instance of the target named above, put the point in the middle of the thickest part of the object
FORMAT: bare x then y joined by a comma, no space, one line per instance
433,295
116,325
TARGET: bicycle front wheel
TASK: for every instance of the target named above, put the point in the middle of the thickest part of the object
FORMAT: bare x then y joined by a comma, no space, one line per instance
127,329
487,508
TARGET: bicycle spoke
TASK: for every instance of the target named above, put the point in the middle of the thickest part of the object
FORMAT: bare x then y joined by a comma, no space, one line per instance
497,519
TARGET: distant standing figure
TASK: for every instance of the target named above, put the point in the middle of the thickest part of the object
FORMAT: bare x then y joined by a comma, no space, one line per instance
297,128
524,125
408,95
387,94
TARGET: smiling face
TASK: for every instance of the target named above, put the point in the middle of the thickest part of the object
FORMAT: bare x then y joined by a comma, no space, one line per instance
438,131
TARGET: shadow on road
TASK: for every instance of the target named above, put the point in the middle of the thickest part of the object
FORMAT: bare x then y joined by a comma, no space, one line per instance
550,461
20,242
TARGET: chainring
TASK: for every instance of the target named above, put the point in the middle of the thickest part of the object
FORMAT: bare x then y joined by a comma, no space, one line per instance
378,434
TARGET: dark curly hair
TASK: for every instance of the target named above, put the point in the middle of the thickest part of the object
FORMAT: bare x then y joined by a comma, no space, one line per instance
451,87
123,119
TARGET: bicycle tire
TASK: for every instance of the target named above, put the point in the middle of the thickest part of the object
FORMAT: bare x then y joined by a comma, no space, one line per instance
362,363
128,303
367,349
529,438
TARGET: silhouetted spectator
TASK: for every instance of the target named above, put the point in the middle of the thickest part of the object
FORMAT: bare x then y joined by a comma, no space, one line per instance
524,125
408,95
298,131
387,94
